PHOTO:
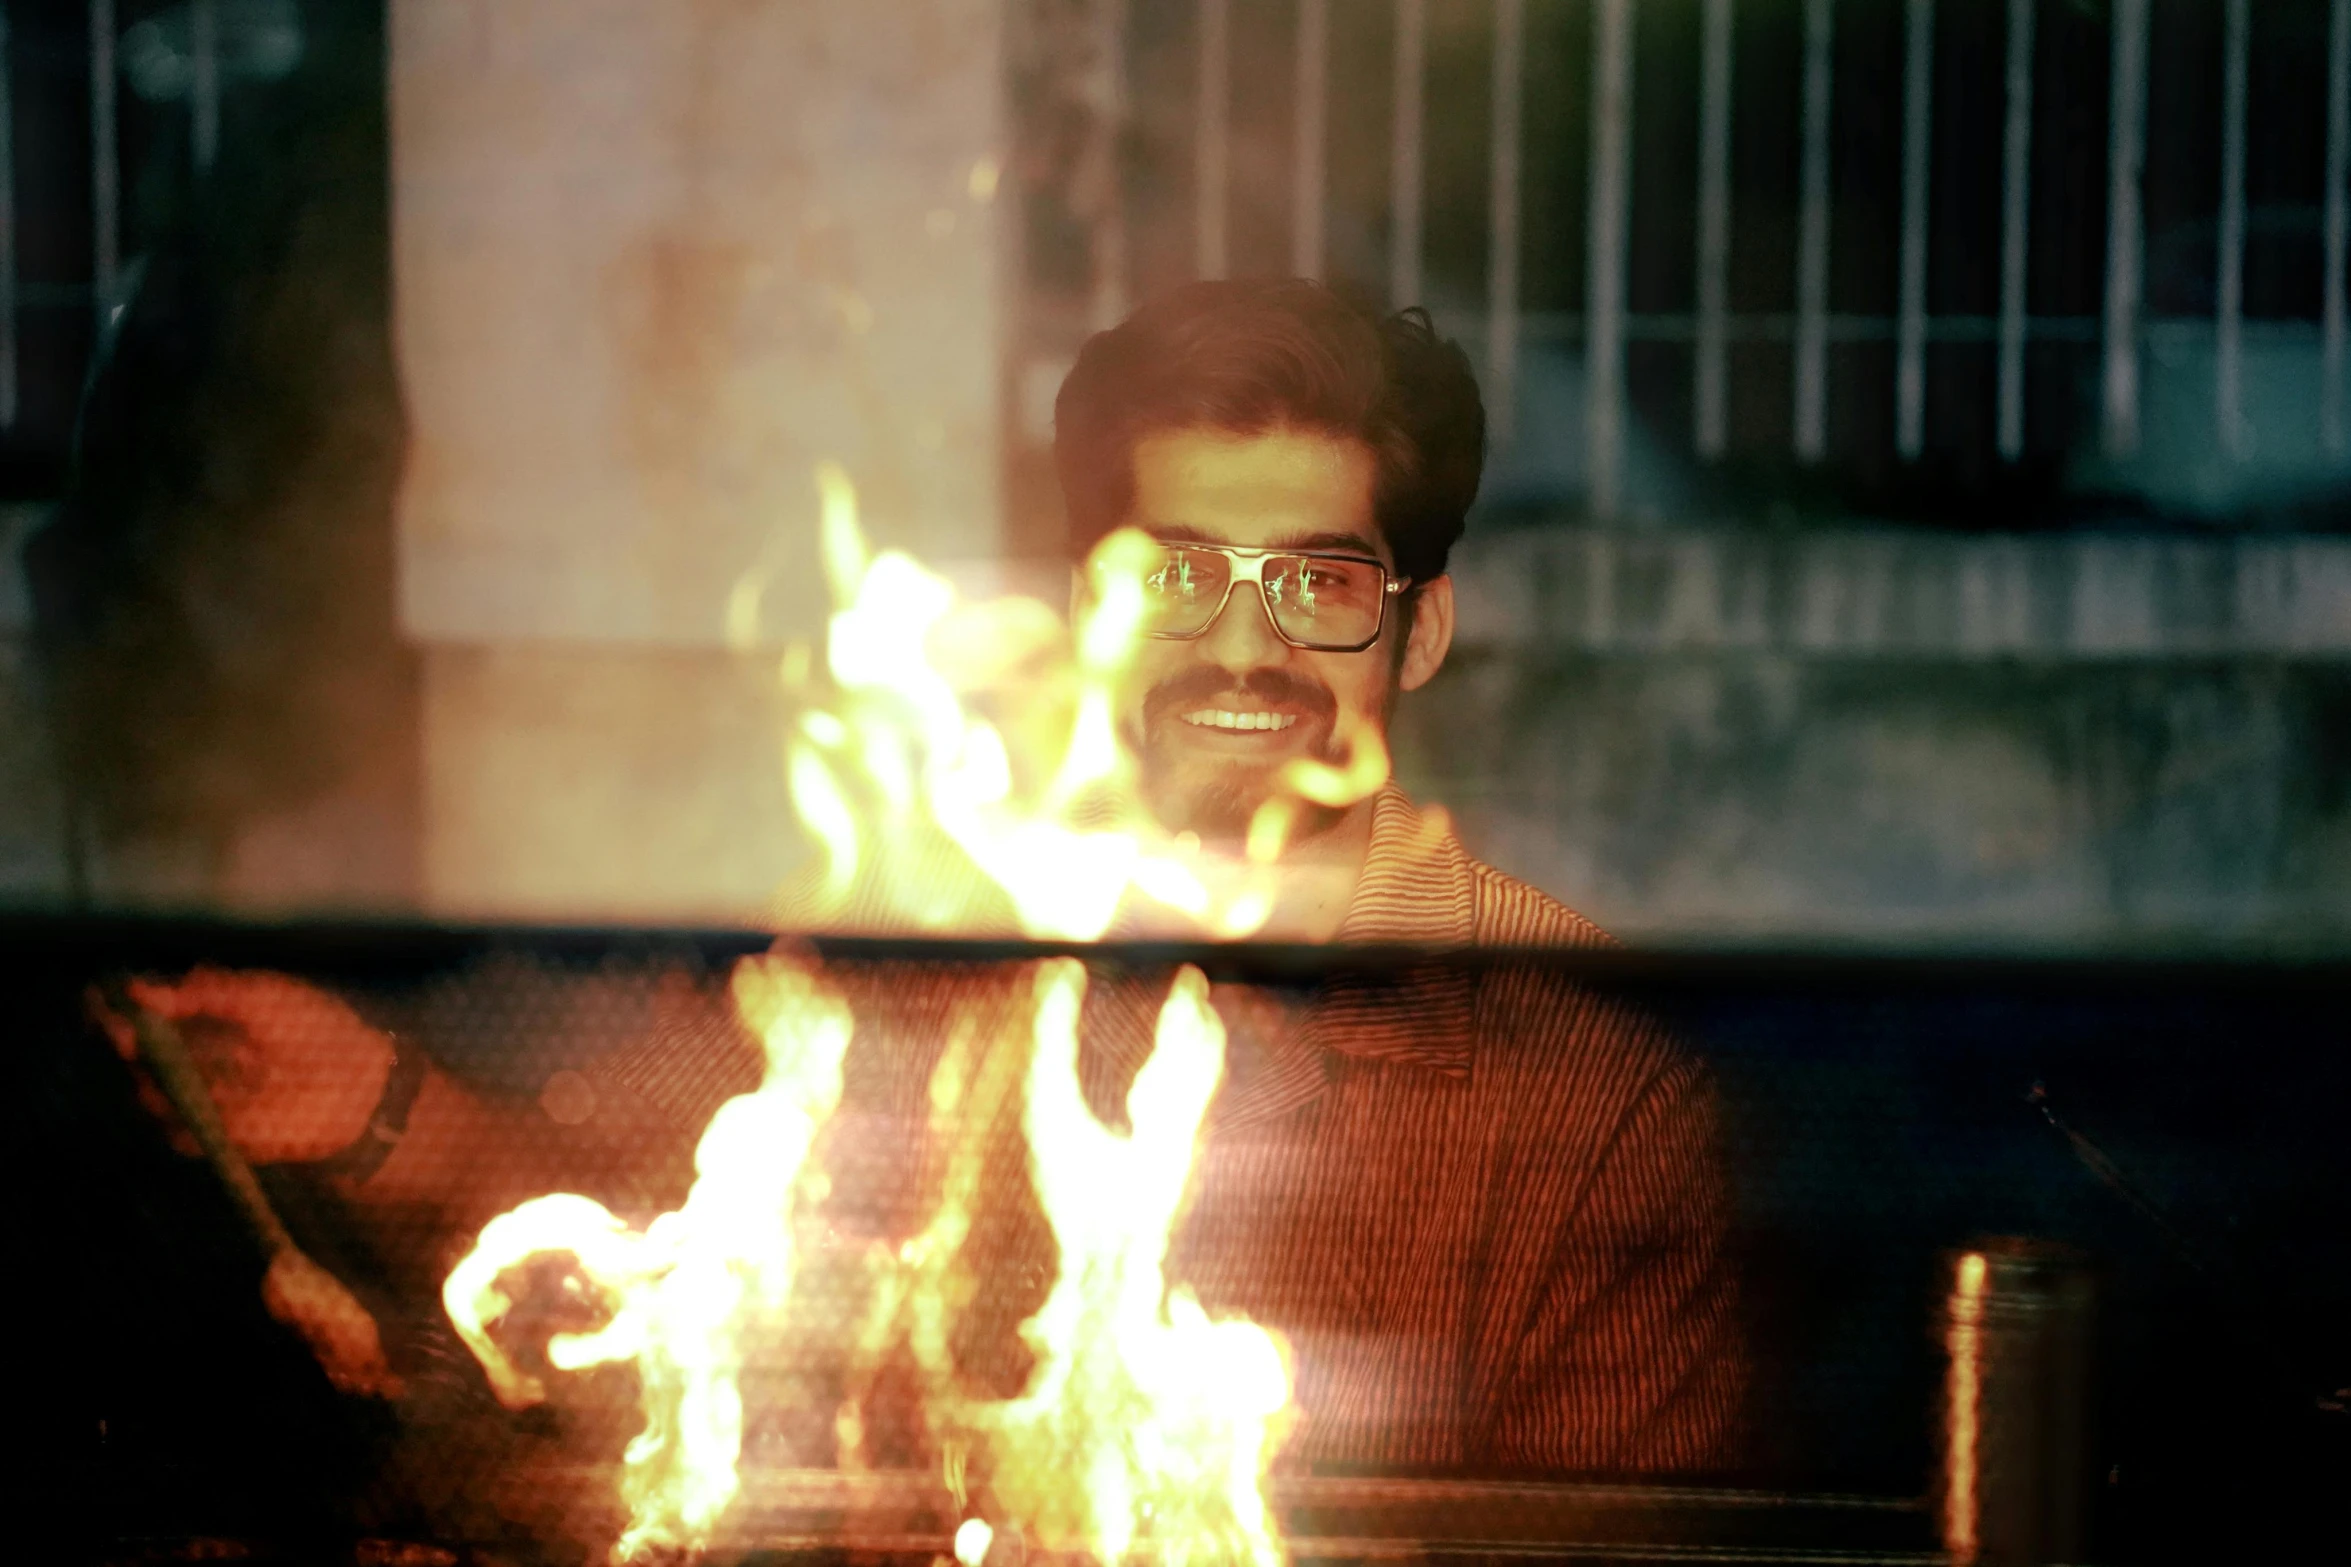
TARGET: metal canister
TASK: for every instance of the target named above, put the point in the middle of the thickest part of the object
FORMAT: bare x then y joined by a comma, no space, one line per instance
2016,1390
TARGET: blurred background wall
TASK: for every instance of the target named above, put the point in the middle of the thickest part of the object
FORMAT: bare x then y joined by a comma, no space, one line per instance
1915,513
654,263
201,428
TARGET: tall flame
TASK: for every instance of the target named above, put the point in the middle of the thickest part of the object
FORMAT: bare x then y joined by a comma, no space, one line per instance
684,1294
1145,1425
925,809
960,765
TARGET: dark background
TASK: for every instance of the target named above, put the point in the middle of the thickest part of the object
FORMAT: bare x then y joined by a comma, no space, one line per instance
1876,1120
201,637
198,650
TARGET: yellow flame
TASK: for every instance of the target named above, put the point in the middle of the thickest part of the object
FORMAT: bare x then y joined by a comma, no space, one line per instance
1145,1424
986,736
684,1293
929,811
961,764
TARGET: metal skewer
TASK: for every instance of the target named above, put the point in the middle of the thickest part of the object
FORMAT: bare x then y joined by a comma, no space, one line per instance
296,1290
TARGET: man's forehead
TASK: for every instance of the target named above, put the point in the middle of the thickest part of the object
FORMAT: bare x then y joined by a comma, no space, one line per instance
1296,489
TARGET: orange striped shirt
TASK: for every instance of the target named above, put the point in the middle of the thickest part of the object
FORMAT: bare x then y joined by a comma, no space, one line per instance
1483,1204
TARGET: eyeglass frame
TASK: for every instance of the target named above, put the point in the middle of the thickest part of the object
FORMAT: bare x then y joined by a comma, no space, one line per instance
1253,562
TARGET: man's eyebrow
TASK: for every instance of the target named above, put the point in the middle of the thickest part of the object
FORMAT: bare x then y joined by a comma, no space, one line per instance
1344,543
1348,543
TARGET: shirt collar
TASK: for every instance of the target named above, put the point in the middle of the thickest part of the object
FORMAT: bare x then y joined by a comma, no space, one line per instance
1416,890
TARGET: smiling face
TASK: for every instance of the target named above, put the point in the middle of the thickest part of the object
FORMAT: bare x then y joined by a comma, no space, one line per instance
1214,718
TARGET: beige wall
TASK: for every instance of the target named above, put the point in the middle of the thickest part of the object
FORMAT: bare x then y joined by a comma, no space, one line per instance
654,260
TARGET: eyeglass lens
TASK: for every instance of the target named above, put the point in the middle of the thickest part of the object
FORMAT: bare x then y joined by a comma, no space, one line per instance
1315,601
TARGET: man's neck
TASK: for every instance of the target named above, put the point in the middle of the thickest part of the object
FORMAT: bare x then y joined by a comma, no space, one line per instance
1315,881
1318,878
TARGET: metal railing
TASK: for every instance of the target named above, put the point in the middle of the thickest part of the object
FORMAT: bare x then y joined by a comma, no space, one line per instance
2122,330
106,201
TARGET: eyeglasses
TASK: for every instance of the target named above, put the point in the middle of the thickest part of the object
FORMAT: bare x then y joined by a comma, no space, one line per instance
1324,603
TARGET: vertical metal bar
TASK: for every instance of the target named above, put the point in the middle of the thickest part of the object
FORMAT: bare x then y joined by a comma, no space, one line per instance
1608,243
1108,305
1312,132
2126,159
1812,236
1404,155
2016,191
2229,306
1963,1396
2338,222
105,176
8,370
204,81
1212,139
1711,393
1502,204
1918,131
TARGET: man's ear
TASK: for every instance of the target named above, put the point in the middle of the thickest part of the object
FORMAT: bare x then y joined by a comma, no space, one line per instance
1431,637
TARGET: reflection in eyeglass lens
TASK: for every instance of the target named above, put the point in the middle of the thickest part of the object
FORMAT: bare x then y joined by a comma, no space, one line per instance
1320,602
1325,602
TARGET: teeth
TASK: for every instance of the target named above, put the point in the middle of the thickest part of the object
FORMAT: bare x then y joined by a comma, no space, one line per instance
1222,718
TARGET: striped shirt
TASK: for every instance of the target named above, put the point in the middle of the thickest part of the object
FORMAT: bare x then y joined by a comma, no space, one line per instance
1483,1205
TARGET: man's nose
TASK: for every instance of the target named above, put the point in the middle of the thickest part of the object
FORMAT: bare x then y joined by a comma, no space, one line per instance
1243,637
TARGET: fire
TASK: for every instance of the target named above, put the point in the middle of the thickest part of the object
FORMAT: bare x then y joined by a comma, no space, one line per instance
961,769
926,810
1145,1426
1144,1421
685,1294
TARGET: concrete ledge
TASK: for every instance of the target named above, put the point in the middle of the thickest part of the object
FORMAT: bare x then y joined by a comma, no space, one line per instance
1901,594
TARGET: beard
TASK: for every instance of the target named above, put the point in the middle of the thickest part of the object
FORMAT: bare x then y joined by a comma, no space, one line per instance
1216,797
1219,811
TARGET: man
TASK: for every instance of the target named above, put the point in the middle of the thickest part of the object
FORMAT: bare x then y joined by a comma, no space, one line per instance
1481,1203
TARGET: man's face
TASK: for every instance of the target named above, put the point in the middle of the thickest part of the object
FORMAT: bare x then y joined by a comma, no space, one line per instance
1214,718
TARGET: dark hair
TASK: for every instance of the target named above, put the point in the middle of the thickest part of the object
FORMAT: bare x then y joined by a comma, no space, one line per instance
1259,355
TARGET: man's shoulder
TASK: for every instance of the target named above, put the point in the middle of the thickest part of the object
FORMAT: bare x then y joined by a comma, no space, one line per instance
1602,1050
1510,913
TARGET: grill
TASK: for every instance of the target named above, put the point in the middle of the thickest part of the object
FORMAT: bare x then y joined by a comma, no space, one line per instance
786,1513
1879,1118
1341,1518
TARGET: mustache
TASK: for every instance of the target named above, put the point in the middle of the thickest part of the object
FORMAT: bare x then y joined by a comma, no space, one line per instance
1275,687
